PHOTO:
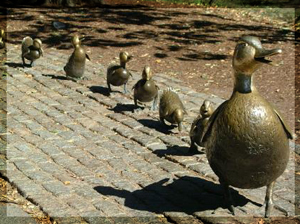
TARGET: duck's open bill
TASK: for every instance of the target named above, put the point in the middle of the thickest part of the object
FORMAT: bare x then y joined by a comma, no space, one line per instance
261,55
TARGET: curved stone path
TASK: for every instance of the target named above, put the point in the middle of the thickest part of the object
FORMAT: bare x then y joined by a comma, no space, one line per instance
77,152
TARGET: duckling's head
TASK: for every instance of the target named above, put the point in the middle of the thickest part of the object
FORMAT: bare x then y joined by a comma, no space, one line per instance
75,40
147,74
124,57
249,55
206,109
37,43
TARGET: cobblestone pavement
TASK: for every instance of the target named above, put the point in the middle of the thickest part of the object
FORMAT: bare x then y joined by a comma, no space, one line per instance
77,152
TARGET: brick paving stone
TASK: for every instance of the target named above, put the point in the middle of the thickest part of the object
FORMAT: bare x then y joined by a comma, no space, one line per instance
28,187
132,123
50,149
144,140
125,131
38,175
25,165
56,187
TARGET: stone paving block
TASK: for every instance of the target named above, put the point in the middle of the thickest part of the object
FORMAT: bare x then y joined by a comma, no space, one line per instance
144,140
14,155
171,167
54,207
94,219
14,174
28,187
109,208
52,168
102,130
125,131
132,123
87,192
135,148
78,203
38,175
65,160
117,138
172,140
95,181
56,187
50,149
25,165
34,126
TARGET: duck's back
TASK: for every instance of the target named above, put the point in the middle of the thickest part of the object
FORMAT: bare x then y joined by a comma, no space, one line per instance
145,90
247,145
33,53
76,64
169,102
117,75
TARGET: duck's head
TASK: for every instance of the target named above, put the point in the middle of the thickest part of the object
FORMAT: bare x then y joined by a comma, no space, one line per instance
147,74
76,40
125,57
249,55
37,43
206,109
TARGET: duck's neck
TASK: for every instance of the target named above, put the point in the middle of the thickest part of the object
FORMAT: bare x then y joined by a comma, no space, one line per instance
243,83
123,64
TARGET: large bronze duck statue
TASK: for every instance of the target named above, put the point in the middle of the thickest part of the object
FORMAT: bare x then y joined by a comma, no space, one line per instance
145,90
118,75
246,139
76,64
171,108
31,50
198,125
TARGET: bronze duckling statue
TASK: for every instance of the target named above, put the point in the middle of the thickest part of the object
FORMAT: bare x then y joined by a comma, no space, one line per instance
76,64
2,39
31,50
118,75
246,139
145,90
171,108
198,125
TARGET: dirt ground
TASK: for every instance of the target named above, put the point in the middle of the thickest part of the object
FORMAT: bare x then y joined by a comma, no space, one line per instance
189,43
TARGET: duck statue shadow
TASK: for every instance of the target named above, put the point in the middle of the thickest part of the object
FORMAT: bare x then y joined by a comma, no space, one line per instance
157,125
186,194
59,77
100,89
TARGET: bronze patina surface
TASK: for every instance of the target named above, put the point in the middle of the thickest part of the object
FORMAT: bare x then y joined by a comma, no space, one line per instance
31,50
145,90
198,125
171,108
118,75
76,64
246,140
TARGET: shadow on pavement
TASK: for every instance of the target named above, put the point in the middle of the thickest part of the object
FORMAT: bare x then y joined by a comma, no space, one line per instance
99,89
157,125
15,65
186,194
60,77
119,108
